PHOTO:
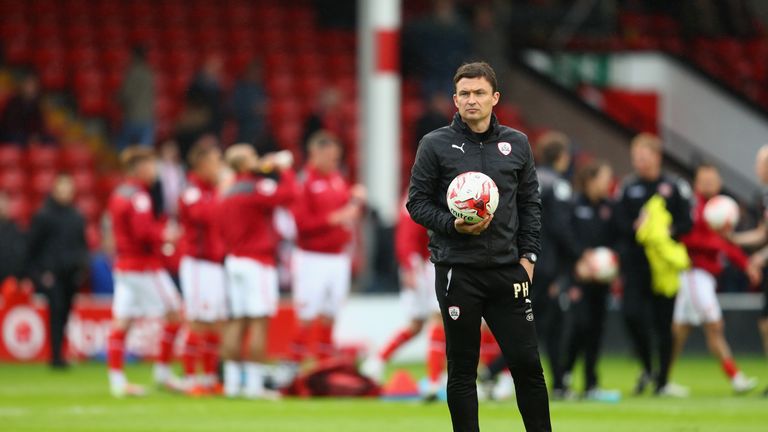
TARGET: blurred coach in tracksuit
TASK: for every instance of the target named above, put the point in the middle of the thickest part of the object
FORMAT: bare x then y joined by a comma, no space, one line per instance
57,258
643,309
559,248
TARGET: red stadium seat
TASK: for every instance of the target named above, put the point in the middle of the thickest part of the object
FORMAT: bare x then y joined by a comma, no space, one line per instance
301,18
112,33
18,50
88,80
109,10
12,180
286,110
93,103
82,56
13,24
78,8
308,63
273,16
80,33
53,76
42,157
77,157
173,12
341,64
47,30
288,135
41,184
281,84
239,13
11,156
49,52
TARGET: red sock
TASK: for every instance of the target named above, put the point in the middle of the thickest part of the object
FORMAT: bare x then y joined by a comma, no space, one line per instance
166,342
192,351
300,344
396,342
436,352
115,349
730,368
324,341
211,353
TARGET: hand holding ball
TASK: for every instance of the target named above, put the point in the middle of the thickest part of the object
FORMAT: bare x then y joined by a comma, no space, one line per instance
473,197
603,265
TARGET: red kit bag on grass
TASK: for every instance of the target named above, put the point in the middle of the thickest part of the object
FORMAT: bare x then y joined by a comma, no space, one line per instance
333,378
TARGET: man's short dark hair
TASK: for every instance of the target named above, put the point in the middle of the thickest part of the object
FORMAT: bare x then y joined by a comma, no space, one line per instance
199,151
134,155
321,139
551,146
476,70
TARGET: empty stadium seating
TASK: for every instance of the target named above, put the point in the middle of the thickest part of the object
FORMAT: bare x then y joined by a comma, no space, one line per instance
739,64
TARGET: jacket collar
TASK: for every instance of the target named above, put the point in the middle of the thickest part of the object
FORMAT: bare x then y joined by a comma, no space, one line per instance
461,127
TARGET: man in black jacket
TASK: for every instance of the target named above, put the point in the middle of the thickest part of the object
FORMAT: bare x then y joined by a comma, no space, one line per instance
645,310
57,257
559,248
483,270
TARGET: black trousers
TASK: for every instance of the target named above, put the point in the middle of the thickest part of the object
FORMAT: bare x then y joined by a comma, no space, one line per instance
648,317
587,315
60,297
500,295
549,325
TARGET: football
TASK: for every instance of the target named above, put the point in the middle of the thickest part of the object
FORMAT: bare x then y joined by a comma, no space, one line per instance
603,265
472,196
721,212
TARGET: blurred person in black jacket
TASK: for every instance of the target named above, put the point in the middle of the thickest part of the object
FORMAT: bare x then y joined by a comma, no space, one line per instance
22,119
559,248
594,227
12,241
647,314
57,258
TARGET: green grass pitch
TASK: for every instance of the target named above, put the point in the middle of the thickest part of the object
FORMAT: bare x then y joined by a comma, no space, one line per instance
32,398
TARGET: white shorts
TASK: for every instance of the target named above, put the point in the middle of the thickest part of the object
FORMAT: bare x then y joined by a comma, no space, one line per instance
696,301
252,289
203,286
320,283
140,294
420,302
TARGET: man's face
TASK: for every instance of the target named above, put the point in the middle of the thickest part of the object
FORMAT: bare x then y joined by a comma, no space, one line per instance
5,206
761,165
210,166
63,190
146,171
646,162
602,182
707,182
326,157
475,99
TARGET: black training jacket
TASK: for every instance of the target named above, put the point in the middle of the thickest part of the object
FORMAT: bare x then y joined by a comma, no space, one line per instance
505,156
56,240
560,248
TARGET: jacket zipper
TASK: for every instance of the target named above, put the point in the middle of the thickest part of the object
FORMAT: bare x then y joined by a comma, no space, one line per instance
482,164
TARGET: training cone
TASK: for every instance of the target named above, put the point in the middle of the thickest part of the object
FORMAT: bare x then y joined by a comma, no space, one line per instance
400,386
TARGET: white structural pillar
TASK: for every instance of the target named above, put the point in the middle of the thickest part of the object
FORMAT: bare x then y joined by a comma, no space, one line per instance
379,79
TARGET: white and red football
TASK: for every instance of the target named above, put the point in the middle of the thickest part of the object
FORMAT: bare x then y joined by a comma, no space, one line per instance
721,212
472,196
603,265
